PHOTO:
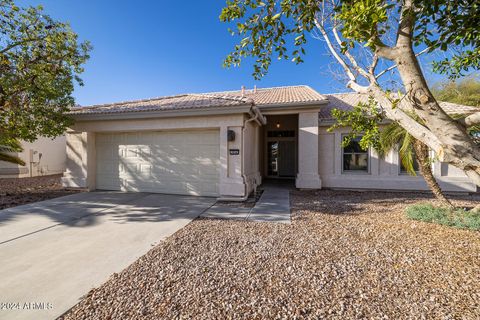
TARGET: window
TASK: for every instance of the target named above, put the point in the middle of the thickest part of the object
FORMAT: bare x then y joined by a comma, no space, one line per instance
355,159
403,170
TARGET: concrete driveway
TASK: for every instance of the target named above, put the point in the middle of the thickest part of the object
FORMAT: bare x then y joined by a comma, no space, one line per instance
53,252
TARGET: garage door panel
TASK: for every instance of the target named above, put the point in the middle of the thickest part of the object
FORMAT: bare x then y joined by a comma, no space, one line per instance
107,169
166,162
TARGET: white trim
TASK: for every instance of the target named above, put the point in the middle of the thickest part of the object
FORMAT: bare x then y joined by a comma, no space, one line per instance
162,113
355,172
276,109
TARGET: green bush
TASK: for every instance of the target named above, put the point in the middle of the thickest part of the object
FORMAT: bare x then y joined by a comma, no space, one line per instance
458,218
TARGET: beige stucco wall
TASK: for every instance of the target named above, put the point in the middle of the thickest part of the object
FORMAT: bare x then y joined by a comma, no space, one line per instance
251,156
287,122
308,142
81,163
384,173
44,156
319,160
78,159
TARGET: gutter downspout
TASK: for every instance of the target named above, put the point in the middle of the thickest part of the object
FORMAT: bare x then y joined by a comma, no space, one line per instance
260,119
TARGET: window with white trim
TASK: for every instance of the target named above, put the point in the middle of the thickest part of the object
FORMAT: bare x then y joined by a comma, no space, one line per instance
355,159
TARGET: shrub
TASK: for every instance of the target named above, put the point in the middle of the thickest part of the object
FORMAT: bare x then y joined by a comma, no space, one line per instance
458,218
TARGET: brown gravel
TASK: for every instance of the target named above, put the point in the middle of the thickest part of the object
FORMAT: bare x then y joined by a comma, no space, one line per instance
15,192
347,255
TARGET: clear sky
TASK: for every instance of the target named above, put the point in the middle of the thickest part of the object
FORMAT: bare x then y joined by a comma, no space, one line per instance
144,49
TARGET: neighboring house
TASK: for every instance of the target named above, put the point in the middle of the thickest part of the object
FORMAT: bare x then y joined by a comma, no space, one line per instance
44,156
223,144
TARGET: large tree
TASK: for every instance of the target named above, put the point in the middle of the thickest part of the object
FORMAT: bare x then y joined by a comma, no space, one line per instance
40,60
364,35
364,120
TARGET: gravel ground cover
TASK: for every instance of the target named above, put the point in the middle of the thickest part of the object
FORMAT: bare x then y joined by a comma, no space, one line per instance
347,255
18,191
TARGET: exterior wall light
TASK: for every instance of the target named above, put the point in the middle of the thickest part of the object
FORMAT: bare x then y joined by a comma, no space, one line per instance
230,135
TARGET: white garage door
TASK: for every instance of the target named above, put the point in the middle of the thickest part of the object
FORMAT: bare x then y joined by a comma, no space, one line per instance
185,162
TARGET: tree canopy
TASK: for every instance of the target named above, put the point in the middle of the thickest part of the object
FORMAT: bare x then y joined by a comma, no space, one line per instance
280,29
40,61
375,42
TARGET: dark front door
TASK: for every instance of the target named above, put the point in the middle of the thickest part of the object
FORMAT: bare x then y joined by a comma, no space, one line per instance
281,157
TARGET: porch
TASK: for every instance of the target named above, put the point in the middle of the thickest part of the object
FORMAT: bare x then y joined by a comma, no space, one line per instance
288,148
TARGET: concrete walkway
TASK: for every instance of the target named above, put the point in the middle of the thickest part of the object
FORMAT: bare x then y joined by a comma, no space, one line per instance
273,206
53,252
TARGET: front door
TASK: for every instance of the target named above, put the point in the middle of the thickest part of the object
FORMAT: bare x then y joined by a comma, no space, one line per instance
281,157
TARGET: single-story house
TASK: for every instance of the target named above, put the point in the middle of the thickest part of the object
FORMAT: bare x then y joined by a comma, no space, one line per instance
43,156
223,144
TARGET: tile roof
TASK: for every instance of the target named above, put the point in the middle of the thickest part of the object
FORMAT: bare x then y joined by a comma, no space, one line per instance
346,101
300,94
179,102
292,95
453,108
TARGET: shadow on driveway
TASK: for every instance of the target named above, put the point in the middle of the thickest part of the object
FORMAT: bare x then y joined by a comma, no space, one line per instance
55,251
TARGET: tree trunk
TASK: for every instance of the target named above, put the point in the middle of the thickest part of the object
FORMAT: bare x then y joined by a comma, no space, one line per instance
459,148
446,136
421,152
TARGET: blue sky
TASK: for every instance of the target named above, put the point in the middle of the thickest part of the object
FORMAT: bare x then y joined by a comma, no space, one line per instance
144,49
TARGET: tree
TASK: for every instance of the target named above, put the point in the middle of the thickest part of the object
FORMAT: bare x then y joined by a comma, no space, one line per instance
40,60
364,120
9,146
363,35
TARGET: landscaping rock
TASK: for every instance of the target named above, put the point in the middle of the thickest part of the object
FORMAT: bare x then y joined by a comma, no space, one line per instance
347,255
18,191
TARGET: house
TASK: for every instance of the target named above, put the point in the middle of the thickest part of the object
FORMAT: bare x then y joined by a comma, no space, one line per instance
223,144
42,157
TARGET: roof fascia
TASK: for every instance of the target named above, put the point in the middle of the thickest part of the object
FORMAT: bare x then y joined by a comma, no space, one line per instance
209,111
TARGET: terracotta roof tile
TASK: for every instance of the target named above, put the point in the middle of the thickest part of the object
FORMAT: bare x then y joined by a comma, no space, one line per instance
279,95
292,95
180,102
262,97
346,101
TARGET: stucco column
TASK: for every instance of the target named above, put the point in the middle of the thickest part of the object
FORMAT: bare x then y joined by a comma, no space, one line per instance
308,177
231,182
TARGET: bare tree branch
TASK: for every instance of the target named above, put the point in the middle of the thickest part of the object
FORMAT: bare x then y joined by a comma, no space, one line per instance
352,60
417,130
334,52
371,69
394,113
395,65
474,175
386,52
471,120
19,43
